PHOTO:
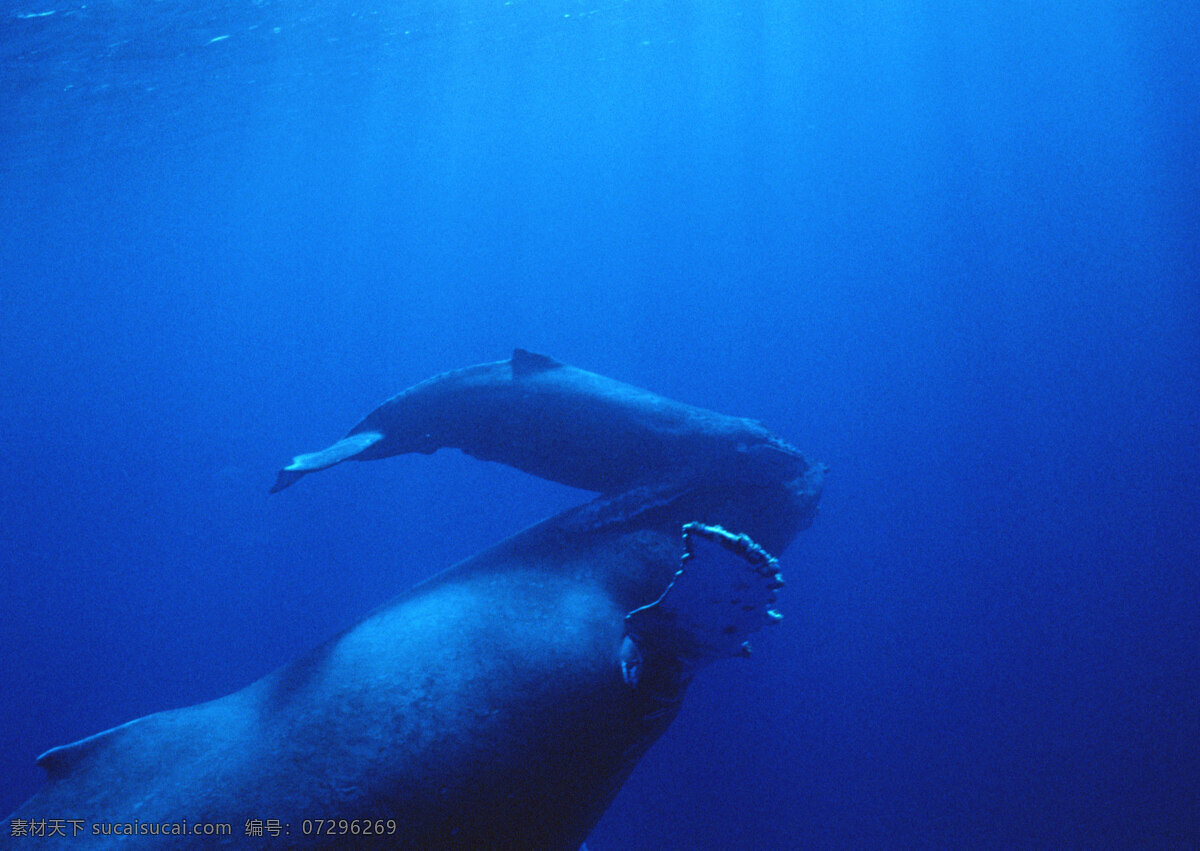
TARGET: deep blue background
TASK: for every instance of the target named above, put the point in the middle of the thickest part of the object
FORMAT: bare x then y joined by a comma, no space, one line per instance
949,249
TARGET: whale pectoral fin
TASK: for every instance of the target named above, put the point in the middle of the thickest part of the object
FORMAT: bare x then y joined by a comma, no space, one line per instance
343,450
723,591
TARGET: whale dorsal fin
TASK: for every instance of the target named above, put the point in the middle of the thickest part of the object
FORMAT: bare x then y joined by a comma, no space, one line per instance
723,591
61,761
530,363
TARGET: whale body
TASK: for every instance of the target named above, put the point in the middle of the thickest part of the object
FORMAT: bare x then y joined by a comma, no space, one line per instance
498,704
560,423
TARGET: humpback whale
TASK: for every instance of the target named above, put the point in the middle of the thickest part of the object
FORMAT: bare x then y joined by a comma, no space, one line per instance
560,423
498,704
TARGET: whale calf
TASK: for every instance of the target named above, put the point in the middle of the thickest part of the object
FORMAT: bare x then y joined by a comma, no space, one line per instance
560,423
499,704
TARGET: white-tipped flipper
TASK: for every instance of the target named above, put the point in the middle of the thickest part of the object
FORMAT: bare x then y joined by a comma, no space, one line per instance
343,450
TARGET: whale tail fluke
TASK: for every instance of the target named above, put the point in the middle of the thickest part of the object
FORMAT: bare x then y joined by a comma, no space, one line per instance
343,450
723,591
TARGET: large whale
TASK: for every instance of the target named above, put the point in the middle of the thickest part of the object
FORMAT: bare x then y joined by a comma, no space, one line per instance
499,704
561,423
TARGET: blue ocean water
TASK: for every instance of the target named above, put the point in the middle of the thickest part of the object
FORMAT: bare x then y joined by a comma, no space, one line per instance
948,249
